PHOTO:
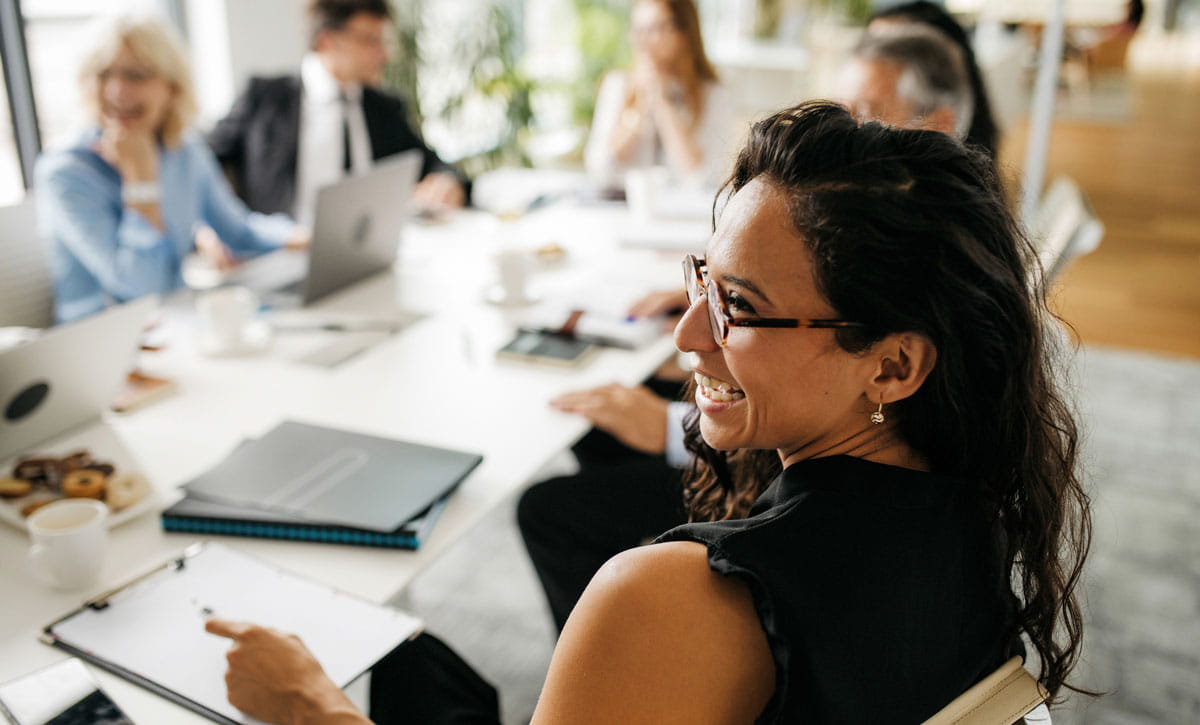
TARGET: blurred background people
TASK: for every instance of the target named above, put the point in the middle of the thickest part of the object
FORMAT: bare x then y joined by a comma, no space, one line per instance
910,77
287,136
126,203
982,130
669,109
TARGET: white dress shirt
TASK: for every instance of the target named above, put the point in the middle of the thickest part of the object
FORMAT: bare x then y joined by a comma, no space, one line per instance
319,160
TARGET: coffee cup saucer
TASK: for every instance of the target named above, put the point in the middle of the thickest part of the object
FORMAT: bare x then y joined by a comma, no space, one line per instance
497,295
255,339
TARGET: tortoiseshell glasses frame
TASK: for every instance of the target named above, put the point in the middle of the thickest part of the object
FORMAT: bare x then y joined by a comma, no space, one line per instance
698,285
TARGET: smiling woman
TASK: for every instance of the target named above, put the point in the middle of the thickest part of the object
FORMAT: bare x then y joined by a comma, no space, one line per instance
122,203
928,458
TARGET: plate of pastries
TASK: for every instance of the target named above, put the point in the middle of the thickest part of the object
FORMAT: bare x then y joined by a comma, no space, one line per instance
32,481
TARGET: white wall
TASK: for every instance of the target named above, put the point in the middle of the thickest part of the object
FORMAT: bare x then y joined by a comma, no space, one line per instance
235,39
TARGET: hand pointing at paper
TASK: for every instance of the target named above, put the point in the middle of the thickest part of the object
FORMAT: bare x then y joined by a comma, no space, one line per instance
272,676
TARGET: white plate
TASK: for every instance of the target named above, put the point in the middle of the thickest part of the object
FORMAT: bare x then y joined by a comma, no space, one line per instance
103,443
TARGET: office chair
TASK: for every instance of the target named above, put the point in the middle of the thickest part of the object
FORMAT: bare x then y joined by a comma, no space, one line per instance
1009,695
26,290
1065,227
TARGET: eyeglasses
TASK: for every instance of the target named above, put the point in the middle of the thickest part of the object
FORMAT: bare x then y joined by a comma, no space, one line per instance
698,286
131,76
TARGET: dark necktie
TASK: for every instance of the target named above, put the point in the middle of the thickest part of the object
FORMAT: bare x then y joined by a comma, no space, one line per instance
347,160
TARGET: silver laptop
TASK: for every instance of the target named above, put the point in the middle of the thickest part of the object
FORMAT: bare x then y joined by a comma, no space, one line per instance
68,376
356,232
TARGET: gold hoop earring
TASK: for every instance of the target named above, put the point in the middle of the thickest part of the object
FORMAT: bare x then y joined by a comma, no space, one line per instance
877,416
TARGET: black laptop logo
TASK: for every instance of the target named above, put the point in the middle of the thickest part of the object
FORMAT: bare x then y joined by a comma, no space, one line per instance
361,229
26,401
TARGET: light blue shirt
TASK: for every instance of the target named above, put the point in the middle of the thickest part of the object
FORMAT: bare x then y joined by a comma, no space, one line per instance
676,452
103,252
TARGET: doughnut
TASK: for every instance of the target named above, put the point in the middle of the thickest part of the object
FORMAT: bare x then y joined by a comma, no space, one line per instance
28,509
14,487
84,483
125,490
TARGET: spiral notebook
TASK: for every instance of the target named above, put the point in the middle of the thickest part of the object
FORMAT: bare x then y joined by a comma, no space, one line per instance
195,516
151,631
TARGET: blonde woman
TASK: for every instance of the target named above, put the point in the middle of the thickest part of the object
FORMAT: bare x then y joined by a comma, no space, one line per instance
669,109
138,191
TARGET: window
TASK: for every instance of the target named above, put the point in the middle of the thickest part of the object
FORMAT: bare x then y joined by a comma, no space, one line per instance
56,33
11,188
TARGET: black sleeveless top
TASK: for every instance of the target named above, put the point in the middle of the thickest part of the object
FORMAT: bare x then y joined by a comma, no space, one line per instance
879,589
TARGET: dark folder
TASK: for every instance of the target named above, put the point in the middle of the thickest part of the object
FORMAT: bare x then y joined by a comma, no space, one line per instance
299,474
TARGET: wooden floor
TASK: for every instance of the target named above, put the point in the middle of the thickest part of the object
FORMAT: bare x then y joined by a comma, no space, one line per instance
1141,288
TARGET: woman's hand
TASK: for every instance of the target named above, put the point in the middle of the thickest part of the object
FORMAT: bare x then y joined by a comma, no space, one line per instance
299,238
663,303
134,154
212,250
440,190
635,416
272,676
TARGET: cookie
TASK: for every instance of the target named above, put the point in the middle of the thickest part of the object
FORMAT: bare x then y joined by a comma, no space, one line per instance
36,470
125,490
14,487
28,509
84,483
75,461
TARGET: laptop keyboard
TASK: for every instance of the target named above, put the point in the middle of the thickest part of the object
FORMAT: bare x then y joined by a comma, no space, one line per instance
283,272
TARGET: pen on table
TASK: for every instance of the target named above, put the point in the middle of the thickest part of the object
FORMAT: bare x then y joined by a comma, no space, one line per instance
339,327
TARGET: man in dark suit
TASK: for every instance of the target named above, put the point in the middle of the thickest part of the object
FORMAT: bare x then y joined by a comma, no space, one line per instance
287,136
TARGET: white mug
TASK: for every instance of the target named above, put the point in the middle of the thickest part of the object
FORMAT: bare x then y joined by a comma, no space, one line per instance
69,539
225,315
512,275
643,189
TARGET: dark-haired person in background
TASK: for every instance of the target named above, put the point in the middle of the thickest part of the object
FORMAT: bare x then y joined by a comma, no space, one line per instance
885,352
982,130
288,136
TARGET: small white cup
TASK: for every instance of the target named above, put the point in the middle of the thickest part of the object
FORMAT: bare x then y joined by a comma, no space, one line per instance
225,315
643,188
513,267
69,542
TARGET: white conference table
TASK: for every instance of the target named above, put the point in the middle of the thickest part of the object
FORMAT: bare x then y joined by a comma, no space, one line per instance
436,382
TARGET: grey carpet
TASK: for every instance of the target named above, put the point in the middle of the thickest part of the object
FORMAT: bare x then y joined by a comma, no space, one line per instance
1142,462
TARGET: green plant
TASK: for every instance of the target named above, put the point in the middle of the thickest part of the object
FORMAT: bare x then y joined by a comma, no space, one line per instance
494,58
401,73
853,12
602,35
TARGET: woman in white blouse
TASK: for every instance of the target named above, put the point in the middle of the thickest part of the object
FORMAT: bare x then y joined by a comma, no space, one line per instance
669,109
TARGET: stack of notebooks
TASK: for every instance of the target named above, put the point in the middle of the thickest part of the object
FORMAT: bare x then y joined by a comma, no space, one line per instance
311,483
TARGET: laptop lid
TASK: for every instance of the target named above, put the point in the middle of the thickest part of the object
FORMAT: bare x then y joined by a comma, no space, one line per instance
356,229
68,376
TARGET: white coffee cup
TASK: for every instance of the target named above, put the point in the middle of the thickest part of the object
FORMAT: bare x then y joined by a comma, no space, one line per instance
225,315
69,541
643,188
513,267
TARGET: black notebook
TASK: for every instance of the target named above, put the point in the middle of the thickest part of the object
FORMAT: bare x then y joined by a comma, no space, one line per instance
313,483
195,516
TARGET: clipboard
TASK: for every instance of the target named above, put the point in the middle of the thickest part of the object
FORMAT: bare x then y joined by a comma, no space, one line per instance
150,630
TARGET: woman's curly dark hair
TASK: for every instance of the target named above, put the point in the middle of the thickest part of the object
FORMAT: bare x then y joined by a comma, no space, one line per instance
909,233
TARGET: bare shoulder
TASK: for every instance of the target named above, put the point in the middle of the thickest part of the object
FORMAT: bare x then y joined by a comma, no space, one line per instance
659,637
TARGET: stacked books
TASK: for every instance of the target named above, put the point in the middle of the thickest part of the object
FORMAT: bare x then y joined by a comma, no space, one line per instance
311,483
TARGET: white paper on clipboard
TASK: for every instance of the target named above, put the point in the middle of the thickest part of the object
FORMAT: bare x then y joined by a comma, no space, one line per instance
154,628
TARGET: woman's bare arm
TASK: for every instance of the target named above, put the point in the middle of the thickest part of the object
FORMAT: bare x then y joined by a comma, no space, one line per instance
658,637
